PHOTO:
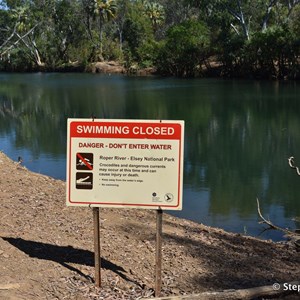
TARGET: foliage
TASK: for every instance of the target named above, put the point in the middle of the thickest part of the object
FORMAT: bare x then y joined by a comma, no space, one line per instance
274,52
156,14
230,51
137,32
185,48
244,38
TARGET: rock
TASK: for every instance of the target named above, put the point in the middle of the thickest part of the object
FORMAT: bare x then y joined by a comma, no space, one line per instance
110,67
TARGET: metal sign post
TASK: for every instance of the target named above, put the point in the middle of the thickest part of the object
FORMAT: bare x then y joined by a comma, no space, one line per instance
97,246
158,258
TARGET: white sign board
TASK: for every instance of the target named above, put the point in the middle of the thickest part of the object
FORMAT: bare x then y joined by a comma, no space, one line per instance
125,163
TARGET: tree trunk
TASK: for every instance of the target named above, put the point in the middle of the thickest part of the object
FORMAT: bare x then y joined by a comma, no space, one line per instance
267,15
100,37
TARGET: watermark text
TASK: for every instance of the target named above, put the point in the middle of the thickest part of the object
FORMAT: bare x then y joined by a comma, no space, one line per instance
287,287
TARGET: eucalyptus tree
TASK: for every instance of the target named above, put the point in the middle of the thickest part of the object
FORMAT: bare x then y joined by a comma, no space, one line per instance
291,4
248,16
239,12
279,11
120,19
65,33
22,33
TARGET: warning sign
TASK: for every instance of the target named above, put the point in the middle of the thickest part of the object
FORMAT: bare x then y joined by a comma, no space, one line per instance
84,161
131,163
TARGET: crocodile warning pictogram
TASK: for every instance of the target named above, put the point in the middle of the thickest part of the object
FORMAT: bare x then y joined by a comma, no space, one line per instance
84,180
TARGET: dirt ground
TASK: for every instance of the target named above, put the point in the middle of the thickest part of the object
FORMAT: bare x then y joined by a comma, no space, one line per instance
46,249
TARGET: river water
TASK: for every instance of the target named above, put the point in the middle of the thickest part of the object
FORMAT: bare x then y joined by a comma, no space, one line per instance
238,136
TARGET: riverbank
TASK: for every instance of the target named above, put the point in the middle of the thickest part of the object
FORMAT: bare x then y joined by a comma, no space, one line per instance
101,67
46,248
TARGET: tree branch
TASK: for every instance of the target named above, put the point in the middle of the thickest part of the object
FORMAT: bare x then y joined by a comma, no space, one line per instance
20,38
235,29
293,235
292,164
270,224
10,37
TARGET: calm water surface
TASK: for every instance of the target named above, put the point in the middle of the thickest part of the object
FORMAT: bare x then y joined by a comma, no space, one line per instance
239,135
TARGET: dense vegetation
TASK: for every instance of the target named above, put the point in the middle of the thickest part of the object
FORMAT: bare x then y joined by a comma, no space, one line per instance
241,38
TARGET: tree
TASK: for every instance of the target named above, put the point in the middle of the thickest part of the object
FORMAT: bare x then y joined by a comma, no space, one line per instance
156,13
21,29
185,48
105,10
266,17
120,19
55,33
137,32
179,11
291,4
65,33
294,20
249,16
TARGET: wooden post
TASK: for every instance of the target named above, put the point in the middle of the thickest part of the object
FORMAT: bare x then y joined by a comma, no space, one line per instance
97,246
158,257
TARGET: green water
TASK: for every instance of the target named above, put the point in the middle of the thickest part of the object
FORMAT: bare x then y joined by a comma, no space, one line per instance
238,136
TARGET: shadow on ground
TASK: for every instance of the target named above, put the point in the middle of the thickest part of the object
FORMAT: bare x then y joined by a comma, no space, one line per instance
64,255
222,260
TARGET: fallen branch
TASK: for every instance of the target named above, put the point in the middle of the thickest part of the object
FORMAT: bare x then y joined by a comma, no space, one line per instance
9,286
244,294
293,235
270,224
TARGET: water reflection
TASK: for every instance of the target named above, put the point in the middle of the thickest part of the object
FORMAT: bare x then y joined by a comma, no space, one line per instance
239,135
